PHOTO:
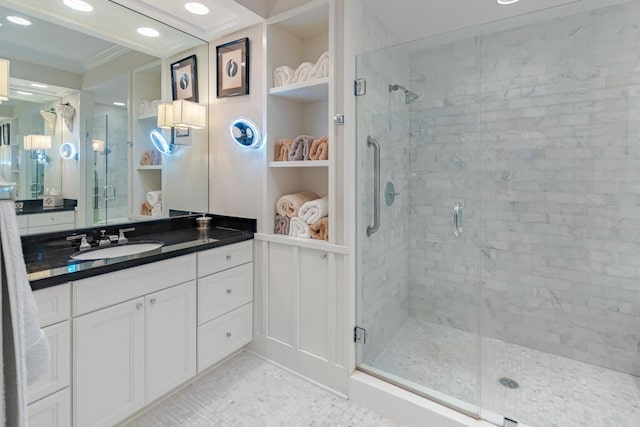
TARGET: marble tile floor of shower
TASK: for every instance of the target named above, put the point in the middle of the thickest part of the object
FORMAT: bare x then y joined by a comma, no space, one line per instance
248,391
553,390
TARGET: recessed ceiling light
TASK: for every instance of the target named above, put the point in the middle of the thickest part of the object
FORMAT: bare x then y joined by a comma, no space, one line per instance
503,2
39,85
19,21
21,92
78,5
119,104
196,8
148,32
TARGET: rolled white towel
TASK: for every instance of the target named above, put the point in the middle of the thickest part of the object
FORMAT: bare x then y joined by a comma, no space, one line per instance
299,228
154,197
312,211
156,210
321,67
282,75
290,204
302,73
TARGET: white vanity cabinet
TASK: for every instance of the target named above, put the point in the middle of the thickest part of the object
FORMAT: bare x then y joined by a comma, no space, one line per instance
225,296
130,353
46,222
49,397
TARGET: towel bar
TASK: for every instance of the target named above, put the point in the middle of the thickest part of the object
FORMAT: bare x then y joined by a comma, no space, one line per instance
7,191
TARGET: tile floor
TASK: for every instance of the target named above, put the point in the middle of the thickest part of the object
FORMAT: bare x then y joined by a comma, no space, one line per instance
553,390
247,391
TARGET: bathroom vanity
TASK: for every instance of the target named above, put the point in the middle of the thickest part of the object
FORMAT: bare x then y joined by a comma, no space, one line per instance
126,331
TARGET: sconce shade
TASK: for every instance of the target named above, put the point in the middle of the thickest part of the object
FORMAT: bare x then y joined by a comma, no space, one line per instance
98,145
37,142
187,114
4,79
165,116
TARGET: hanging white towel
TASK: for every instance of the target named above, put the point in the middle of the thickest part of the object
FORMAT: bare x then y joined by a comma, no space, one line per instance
26,346
312,211
299,228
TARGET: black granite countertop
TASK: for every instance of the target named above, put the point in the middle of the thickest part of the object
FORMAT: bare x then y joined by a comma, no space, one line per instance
34,206
48,256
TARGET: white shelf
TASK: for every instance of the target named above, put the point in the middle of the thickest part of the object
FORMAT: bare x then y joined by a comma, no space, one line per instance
300,164
313,91
149,168
321,245
148,116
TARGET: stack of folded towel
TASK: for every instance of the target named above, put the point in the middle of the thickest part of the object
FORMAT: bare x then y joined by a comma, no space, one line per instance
306,72
153,204
302,215
303,147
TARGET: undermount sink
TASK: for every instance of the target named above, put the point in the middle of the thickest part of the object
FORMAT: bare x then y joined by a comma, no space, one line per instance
115,251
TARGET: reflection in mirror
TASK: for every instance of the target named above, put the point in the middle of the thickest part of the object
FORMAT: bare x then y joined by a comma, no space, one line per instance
98,81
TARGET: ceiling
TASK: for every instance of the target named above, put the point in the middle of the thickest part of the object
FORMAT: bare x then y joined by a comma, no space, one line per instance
411,20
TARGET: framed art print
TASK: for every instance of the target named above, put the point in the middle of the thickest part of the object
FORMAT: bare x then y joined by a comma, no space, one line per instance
233,68
184,79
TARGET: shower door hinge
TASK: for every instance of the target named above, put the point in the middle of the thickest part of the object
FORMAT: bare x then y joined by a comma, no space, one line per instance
360,87
339,119
359,335
509,423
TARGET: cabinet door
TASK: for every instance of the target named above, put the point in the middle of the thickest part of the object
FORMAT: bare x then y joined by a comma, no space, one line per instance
58,373
52,411
170,338
109,364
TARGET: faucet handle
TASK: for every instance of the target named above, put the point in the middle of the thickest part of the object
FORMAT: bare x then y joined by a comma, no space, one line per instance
84,245
122,238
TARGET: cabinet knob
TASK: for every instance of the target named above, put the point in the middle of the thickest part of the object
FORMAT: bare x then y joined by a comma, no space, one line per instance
152,301
229,291
323,256
139,306
228,334
228,257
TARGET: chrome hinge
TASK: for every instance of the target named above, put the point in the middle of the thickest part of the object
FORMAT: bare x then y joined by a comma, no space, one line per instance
339,119
359,335
509,423
360,87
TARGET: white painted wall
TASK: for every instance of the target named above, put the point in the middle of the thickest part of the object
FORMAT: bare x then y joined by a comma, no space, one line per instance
236,173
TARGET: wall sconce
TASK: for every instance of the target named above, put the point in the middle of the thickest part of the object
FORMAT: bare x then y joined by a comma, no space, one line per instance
245,133
37,142
68,151
182,114
99,146
4,80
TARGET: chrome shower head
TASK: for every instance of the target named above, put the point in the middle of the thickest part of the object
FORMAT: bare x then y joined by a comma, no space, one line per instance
409,96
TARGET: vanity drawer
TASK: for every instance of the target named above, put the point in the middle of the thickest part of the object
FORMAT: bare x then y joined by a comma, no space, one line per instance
53,218
225,291
54,304
108,289
52,411
224,335
224,257
23,221
58,373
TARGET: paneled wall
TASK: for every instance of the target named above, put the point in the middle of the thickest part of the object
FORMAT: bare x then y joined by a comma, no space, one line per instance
553,128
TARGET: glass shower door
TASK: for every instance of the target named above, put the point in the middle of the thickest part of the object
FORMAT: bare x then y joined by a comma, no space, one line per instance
109,173
417,202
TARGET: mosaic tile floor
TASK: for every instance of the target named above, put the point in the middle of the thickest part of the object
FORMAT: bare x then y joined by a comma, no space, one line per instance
247,391
553,390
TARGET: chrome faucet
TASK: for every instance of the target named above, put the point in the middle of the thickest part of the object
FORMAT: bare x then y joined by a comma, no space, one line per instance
84,245
122,238
104,240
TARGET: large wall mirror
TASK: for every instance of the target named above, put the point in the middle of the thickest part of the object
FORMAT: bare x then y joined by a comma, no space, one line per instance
86,82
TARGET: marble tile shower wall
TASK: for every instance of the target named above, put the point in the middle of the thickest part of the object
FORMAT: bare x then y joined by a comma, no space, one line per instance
383,258
554,127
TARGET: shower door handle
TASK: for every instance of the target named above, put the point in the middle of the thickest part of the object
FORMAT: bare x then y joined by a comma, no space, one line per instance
105,192
371,229
457,219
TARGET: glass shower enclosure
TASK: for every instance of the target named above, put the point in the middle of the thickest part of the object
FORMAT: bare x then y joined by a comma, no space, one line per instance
498,183
107,137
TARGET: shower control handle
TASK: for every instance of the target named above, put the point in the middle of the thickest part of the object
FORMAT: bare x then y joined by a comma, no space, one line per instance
457,219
